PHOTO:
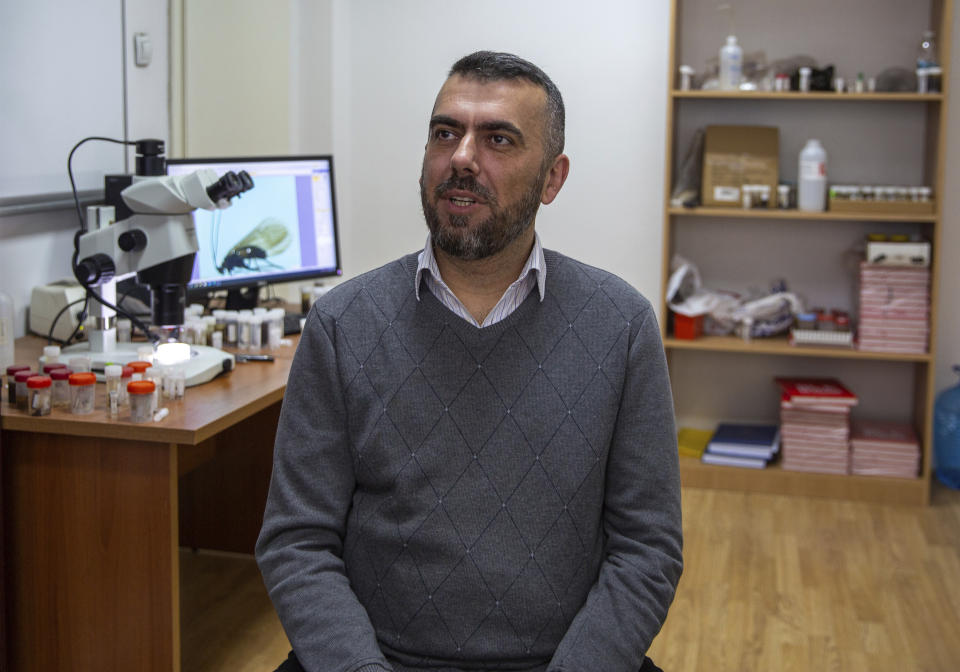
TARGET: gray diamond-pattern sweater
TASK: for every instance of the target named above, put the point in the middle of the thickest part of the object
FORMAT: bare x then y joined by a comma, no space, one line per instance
452,498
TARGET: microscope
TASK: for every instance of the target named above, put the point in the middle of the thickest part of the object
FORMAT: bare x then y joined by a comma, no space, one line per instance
154,238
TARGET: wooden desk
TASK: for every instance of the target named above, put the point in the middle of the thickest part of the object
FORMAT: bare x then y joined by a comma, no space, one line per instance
94,511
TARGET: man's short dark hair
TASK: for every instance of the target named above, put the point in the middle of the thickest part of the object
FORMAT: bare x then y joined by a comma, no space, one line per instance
493,66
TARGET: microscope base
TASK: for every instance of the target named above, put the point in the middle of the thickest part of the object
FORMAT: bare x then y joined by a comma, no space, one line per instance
205,363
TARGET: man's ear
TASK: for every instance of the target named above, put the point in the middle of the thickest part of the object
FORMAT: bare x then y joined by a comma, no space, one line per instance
556,176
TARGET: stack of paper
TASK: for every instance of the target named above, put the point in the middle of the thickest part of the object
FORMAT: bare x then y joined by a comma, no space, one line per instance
815,424
884,449
742,445
894,308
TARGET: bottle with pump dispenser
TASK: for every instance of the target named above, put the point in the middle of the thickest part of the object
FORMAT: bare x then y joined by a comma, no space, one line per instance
812,178
731,64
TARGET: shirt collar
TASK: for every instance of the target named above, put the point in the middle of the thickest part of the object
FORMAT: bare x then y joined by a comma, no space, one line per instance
536,264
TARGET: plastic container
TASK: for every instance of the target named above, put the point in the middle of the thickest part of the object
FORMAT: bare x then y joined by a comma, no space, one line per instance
39,389
124,330
155,375
51,355
139,366
126,375
141,400
812,178
12,371
61,387
804,83
731,64
946,436
112,374
80,364
82,392
22,396
6,330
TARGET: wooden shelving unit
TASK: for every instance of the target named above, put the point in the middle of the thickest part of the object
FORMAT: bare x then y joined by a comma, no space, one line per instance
881,112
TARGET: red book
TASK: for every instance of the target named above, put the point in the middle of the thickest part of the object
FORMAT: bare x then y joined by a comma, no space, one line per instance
804,391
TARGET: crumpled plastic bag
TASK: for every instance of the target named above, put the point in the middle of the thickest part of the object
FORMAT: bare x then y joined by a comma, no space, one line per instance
727,312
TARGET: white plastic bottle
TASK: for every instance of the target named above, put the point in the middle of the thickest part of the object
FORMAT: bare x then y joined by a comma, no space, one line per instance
812,177
6,331
731,64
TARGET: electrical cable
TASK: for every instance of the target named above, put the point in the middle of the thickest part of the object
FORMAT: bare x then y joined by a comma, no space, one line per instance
50,338
76,242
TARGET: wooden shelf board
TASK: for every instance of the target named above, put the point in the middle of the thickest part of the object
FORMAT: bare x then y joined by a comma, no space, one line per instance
778,345
776,480
776,213
813,95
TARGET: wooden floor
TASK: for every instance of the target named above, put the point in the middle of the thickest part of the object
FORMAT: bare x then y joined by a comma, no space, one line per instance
770,583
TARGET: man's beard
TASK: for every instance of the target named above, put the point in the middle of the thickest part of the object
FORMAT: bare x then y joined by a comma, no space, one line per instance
489,236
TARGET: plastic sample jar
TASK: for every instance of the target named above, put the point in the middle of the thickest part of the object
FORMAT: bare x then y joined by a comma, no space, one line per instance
80,364
141,400
124,330
50,368
82,392
51,355
12,371
22,397
61,387
806,320
126,375
38,387
139,366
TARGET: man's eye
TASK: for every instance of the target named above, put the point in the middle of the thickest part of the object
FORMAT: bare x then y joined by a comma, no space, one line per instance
500,140
443,134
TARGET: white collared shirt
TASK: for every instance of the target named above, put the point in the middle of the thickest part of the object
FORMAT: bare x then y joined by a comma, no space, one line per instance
534,273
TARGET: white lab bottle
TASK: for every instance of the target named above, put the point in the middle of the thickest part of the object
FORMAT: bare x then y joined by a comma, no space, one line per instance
731,64
812,177
6,331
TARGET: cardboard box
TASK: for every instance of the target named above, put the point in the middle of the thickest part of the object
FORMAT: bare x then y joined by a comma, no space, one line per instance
887,253
737,155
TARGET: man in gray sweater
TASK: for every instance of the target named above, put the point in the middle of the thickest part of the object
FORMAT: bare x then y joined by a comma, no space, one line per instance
476,464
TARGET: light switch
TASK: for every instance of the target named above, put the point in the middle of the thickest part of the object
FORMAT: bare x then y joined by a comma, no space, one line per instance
142,49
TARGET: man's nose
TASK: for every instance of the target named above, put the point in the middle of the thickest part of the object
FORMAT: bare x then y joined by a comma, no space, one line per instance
464,159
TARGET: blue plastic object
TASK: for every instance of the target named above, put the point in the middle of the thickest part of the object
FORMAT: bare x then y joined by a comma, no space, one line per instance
946,436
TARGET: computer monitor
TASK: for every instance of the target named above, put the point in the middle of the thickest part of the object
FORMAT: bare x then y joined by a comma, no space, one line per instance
282,230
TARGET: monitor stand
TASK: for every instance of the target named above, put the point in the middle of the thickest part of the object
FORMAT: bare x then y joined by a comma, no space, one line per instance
242,298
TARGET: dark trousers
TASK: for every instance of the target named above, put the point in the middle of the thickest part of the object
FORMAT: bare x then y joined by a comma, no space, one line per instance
291,664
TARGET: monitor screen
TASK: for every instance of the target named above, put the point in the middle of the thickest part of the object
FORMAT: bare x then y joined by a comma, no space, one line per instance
284,229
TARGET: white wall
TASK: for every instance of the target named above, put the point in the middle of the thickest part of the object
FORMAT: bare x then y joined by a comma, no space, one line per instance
35,249
610,63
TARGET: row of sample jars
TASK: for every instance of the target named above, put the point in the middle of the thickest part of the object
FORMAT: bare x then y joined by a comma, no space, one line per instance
244,329
843,192
137,387
823,320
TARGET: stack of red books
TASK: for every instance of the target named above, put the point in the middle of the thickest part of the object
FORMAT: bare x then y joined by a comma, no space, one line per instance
894,308
815,424
884,449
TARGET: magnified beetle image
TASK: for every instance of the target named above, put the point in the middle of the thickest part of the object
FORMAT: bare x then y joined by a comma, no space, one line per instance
252,252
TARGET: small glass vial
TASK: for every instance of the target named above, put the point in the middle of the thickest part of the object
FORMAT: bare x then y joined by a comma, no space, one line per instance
141,399
124,330
256,332
82,392
174,382
805,74
61,387
22,396
155,375
244,324
80,364
38,387
112,374
51,355
231,327
12,372
126,375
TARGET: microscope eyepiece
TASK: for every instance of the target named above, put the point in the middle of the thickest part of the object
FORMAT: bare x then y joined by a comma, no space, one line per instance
229,185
